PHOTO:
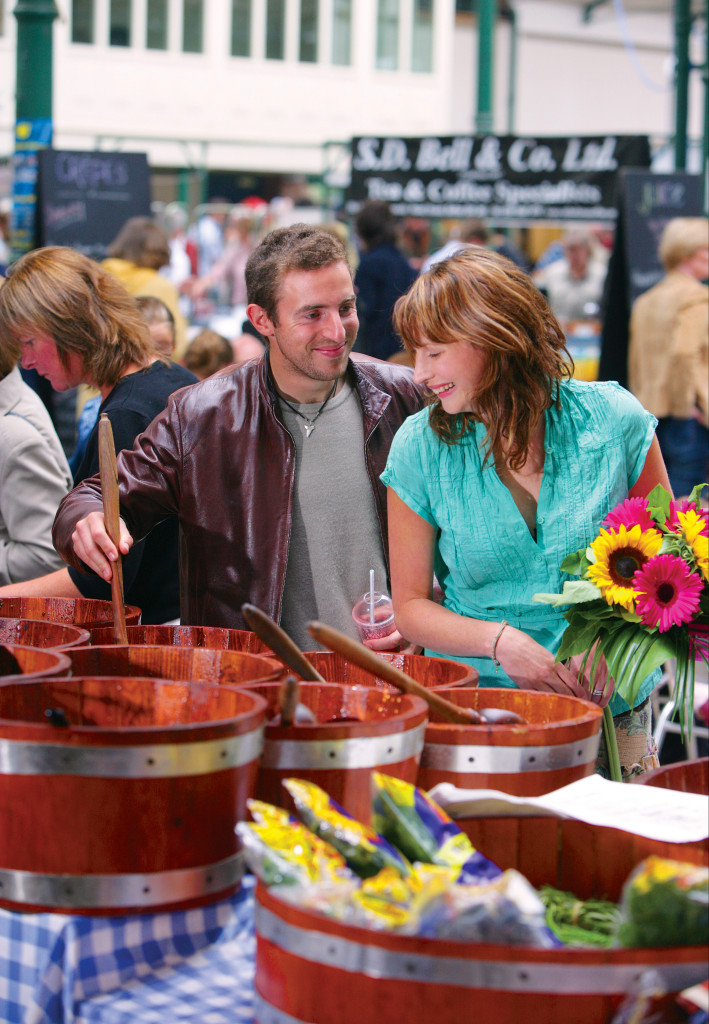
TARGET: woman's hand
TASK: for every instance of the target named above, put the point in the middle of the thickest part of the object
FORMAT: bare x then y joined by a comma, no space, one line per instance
532,667
603,683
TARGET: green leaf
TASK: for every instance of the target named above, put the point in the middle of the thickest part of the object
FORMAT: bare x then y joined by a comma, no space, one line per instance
577,641
573,592
658,501
696,494
576,563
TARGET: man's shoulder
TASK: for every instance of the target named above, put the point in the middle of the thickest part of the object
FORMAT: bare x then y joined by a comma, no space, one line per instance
238,379
394,378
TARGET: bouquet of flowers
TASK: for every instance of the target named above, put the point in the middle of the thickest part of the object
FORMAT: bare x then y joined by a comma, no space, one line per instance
642,595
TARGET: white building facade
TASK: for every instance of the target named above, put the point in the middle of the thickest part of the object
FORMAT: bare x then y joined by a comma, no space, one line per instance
278,87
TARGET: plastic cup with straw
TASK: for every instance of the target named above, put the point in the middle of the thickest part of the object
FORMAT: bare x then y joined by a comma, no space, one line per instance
374,613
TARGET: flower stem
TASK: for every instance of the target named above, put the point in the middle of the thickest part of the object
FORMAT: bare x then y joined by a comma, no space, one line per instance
611,745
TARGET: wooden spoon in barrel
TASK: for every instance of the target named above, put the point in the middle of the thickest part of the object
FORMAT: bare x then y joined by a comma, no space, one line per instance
371,662
280,643
111,515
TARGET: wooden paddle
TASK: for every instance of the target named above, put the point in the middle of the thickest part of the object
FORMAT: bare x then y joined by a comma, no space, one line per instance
279,642
111,515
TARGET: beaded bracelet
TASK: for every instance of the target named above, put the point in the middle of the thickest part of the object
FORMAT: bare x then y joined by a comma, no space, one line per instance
493,655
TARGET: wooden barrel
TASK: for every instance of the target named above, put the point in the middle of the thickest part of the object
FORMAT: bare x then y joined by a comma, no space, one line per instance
75,611
687,776
18,663
358,729
122,795
558,745
216,638
429,672
50,636
199,664
311,968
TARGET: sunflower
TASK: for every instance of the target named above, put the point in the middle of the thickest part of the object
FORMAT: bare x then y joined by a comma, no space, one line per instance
668,592
693,526
619,554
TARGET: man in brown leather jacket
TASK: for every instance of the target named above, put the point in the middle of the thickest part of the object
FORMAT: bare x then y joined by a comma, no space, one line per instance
272,467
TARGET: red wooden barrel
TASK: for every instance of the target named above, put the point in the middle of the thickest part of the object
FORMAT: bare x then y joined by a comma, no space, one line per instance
52,636
382,731
429,672
558,745
186,663
687,776
18,663
311,968
132,805
76,611
216,638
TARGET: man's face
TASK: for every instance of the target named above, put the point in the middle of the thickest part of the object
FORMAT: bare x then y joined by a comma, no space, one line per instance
40,353
313,332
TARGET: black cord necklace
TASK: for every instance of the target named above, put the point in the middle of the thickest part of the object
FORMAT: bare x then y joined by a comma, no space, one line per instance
310,423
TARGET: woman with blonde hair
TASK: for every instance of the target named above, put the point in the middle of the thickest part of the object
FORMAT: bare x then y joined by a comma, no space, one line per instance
135,257
75,324
512,466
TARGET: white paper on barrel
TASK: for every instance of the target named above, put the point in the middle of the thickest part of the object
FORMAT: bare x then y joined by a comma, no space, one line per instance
667,815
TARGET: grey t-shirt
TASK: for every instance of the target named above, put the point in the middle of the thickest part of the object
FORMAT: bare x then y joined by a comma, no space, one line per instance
335,538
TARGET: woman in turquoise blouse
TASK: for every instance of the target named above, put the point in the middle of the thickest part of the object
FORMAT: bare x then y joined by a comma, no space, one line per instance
512,466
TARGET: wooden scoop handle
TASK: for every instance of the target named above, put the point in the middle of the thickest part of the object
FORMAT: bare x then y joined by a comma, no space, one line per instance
371,662
279,642
111,515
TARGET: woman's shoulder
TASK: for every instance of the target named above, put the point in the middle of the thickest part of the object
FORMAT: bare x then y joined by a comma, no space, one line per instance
596,397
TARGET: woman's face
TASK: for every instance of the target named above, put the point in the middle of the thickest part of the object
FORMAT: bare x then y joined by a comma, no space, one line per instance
452,371
40,353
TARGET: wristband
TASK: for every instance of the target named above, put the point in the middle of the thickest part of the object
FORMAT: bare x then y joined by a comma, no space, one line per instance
493,653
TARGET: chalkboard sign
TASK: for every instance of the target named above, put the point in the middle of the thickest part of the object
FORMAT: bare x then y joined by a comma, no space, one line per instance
649,201
646,202
85,198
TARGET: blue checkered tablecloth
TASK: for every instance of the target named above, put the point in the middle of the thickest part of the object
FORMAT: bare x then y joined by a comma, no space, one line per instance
191,965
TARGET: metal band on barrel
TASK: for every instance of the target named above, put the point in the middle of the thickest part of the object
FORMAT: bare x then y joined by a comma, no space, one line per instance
359,752
149,761
506,975
461,758
121,890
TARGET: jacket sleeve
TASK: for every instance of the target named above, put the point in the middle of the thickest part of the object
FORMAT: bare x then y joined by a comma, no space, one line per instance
33,484
148,486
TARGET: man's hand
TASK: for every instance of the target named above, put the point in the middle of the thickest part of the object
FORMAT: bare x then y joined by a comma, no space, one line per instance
94,547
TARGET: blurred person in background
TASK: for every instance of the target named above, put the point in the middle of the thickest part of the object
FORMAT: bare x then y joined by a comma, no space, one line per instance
183,251
227,273
135,257
668,356
76,324
34,475
207,233
573,284
475,232
207,353
382,276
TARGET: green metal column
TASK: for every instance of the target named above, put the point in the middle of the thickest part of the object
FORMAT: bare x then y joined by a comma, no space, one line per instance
682,27
487,17
35,19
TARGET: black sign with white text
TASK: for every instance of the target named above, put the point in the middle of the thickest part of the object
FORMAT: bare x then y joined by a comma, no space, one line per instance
499,178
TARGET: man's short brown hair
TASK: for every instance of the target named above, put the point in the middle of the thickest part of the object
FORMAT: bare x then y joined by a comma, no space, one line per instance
298,247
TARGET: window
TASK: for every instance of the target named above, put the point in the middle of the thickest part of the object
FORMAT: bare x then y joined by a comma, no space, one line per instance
240,28
275,29
192,26
308,31
342,32
388,35
422,36
119,23
156,27
82,21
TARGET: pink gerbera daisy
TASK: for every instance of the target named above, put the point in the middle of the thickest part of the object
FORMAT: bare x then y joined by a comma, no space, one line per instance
631,512
702,515
667,592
